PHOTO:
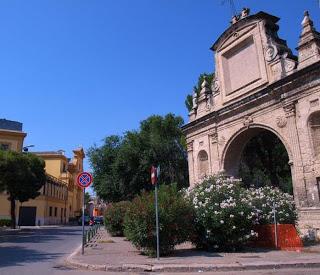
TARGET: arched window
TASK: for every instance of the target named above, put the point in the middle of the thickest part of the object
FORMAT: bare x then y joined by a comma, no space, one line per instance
314,124
203,164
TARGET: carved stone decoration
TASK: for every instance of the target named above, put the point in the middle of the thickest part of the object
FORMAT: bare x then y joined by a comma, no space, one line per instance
213,135
271,52
247,121
281,121
215,86
194,100
190,146
289,65
245,12
289,109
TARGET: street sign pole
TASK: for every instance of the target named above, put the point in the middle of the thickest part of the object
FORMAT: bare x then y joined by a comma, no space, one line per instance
83,206
84,180
157,219
155,173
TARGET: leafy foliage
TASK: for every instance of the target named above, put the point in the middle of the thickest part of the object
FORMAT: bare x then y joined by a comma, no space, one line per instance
21,176
265,162
197,88
176,218
5,222
114,217
121,166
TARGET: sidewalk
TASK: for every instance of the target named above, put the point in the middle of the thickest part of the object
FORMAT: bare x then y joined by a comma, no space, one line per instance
115,254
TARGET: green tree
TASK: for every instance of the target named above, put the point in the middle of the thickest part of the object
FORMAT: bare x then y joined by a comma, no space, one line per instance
21,177
87,198
121,166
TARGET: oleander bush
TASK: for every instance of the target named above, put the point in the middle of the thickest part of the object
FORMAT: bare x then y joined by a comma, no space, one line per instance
5,222
176,217
114,218
226,212
223,216
262,201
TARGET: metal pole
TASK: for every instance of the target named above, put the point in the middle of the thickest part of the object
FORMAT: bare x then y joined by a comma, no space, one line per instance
83,205
275,225
157,219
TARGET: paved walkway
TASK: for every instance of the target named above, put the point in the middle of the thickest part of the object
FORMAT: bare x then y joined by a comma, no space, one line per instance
117,254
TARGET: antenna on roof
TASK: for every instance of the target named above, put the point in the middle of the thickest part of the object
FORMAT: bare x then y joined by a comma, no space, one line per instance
232,6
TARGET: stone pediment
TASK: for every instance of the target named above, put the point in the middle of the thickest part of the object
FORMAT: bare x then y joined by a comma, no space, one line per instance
242,26
235,35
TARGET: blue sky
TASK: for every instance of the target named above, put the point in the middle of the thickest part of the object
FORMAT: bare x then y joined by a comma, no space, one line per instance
75,71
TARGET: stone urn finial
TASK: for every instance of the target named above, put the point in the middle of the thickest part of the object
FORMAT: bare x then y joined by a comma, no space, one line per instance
245,12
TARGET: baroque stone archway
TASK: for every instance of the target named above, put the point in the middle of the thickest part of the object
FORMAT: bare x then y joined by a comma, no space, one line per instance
275,166
260,85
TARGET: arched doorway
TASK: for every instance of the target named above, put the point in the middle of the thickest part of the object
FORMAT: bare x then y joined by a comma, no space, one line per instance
259,157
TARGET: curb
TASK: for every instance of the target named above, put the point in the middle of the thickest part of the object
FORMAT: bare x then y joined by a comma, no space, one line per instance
185,268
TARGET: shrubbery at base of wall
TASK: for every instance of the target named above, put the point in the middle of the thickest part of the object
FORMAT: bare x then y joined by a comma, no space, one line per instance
5,222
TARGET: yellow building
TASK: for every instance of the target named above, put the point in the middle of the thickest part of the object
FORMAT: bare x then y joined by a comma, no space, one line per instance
11,138
60,198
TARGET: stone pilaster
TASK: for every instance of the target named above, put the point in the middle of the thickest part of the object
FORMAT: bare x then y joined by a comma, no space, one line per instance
214,150
191,163
298,180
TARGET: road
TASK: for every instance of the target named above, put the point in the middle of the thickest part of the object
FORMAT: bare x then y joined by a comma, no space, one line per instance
42,251
37,251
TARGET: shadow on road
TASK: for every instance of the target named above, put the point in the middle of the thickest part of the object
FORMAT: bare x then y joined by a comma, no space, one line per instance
37,235
18,256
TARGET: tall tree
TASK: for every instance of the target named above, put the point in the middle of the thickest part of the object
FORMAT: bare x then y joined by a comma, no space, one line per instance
121,166
21,176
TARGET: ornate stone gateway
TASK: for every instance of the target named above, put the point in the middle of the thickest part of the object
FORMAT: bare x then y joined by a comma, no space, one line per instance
260,85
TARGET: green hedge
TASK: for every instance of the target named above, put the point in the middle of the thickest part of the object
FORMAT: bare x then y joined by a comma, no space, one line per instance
176,217
5,222
114,216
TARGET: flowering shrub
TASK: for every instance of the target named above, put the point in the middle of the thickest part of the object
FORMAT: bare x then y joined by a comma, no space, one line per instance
114,216
223,214
262,200
226,212
176,218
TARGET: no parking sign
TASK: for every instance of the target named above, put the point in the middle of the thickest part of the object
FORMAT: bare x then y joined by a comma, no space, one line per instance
84,179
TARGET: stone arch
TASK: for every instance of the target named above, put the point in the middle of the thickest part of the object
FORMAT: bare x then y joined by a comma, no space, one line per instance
233,149
314,132
203,163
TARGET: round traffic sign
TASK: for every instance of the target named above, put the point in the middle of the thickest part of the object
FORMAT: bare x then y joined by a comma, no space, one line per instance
84,179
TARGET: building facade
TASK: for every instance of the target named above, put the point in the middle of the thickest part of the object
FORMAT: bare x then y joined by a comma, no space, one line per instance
259,85
60,199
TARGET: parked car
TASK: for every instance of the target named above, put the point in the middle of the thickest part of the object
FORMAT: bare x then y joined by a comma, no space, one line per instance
86,220
98,220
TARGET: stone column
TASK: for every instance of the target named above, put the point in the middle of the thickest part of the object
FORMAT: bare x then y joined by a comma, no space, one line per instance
297,171
191,163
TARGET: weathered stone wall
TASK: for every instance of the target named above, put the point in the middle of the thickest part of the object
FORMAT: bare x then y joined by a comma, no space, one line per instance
259,85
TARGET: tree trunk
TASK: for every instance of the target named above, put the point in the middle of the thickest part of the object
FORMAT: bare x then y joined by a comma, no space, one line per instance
13,213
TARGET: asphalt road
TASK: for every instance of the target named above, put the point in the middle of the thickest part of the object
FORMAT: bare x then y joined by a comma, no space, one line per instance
42,251
37,251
